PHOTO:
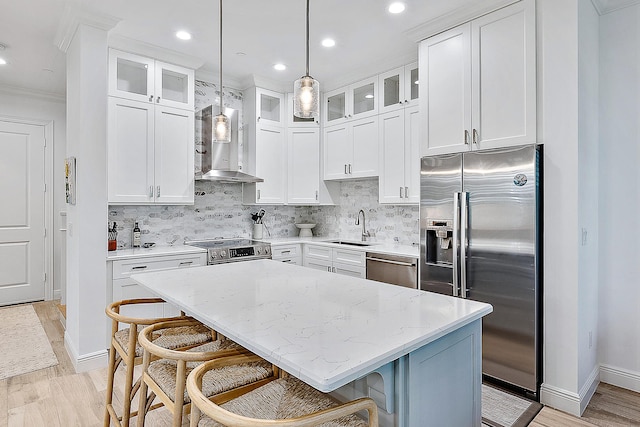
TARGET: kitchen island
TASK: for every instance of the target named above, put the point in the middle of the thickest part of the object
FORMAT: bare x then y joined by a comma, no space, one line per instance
329,330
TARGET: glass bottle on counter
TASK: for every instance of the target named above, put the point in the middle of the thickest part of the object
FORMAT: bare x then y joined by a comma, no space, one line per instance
136,236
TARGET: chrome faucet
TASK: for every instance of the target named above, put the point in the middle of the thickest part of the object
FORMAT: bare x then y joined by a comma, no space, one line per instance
365,233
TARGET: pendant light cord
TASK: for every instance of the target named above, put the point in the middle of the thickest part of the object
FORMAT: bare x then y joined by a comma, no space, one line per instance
307,37
221,56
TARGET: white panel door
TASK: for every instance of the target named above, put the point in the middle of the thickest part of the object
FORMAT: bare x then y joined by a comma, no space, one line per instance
22,259
504,77
174,156
271,164
392,157
304,165
445,91
337,151
130,151
365,148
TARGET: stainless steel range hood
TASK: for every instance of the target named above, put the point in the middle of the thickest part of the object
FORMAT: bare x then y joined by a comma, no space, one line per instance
222,162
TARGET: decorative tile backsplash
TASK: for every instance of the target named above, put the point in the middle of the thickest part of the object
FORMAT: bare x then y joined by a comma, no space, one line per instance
218,209
218,212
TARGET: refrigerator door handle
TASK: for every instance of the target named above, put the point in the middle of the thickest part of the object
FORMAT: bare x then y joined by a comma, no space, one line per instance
464,224
456,242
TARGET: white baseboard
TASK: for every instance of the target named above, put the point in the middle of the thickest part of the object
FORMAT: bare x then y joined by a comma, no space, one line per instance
620,377
86,362
568,401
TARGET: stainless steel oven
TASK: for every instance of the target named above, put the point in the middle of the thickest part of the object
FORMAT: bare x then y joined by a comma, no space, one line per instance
232,250
394,269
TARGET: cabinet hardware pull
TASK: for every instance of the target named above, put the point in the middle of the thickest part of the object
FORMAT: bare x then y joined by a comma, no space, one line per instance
388,261
345,169
350,168
139,267
258,118
466,137
406,102
475,136
401,192
406,192
158,192
186,263
151,191
350,116
158,100
285,252
258,194
345,117
316,195
286,260
334,269
329,269
150,98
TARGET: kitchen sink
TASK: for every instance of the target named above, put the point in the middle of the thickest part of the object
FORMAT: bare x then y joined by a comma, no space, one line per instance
350,243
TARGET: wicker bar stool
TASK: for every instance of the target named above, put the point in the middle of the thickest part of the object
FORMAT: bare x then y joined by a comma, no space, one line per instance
285,401
165,372
125,348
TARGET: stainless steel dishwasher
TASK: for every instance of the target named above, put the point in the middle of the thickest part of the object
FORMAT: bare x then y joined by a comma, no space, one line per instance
394,269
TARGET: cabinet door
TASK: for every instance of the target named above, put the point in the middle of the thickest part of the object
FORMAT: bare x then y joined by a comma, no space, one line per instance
364,135
338,150
270,164
294,121
411,85
304,166
349,257
128,289
504,77
412,155
130,151
319,253
131,76
392,89
392,157
174,86
445,86
335,107
174,156
318,264
269,108
363,99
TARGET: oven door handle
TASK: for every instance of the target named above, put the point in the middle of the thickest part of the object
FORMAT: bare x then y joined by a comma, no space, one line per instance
388,261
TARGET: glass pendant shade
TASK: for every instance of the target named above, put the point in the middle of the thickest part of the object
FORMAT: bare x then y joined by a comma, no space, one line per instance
306,95
221,128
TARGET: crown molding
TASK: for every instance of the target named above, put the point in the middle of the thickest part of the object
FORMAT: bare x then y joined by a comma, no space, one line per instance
147,49
455,17
213,76
73,17
607,6
32,93
266,83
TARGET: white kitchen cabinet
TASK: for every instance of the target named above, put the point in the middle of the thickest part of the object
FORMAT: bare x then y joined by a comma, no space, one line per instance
335,260
265,132
478,83
305,184
288,253
398,88
144,79
123,287
351,149
351,102
150,153
400,157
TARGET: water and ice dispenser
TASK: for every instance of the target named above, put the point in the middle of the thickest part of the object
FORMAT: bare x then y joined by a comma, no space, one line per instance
439,241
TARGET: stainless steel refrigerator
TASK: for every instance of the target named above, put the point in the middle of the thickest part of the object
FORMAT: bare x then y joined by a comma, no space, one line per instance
480,238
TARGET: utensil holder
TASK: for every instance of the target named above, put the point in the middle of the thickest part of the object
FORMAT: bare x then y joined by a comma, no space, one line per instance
257,231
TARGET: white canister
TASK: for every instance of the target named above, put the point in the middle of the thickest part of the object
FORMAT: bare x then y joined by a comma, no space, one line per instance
257,231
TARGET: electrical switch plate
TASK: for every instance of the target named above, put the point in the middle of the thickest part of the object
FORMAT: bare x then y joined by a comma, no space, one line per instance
584,237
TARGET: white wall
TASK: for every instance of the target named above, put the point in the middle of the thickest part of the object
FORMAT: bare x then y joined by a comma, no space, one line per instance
619,212
29,106
587,201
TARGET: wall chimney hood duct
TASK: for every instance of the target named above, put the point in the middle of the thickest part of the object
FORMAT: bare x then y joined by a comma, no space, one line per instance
222,162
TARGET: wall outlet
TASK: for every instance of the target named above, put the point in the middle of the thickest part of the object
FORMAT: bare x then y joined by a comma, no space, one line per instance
584,237
590,339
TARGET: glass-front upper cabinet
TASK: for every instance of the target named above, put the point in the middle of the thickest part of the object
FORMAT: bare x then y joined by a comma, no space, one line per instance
144,79
295,121
399,88
269,107
351,102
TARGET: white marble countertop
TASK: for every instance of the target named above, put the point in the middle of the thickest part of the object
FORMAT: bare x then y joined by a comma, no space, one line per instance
121,254
377,247
323,328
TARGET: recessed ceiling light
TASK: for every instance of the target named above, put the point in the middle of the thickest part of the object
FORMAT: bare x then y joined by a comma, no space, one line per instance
280,67
183,35
396,7
328,42
3,61
368,96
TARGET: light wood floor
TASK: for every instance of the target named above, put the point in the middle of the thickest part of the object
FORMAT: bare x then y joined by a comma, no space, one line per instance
58,397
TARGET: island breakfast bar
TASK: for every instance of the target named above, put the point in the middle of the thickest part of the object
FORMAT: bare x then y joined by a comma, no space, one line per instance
329,330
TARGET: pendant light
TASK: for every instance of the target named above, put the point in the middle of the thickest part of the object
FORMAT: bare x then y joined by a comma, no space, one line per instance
306,90
221,123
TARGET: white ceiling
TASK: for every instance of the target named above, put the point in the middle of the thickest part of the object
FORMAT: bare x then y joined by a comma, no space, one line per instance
369,39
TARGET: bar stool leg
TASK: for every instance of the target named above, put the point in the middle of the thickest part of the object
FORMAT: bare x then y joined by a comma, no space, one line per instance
130,361
110,376
142,391
178,402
